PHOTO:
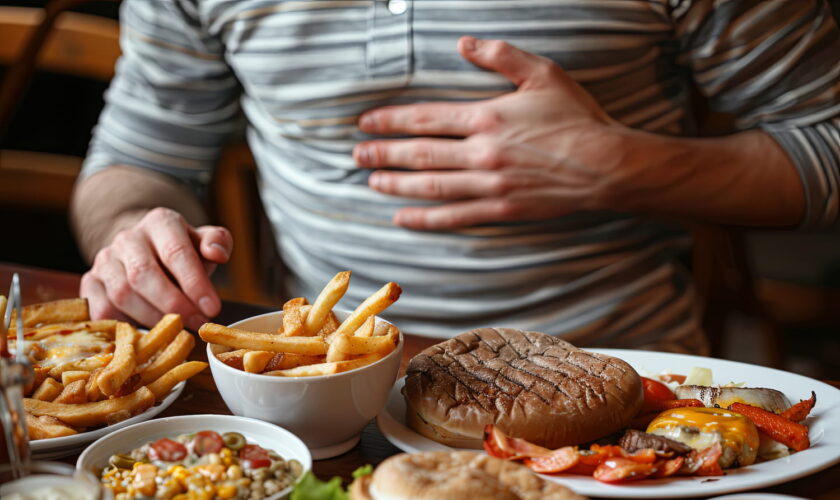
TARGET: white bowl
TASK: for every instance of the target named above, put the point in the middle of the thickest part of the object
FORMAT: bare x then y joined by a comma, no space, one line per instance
269,436
327,412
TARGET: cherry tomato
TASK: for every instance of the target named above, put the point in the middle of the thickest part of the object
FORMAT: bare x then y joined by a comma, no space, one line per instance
167,450
206,442
654,393
254,456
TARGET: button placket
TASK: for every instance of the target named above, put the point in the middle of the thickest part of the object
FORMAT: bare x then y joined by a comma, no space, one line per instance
390,39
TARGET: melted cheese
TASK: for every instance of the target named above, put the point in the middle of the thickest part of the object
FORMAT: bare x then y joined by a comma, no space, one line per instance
60,349
700,427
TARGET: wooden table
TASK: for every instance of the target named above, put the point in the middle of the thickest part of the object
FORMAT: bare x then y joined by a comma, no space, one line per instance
200,395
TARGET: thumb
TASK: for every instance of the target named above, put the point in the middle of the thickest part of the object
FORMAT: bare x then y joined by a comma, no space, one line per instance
524,69
215,243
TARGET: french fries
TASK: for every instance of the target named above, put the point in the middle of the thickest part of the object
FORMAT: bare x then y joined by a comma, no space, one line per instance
165,383
234,359
361,345
45,426
73,393
327,368
255,361
327,299
311,341
111,372
49,389
372,306
286,360
90,414
163,332
173,355
366,330
293,314
243,339
58,311
123,363
74,375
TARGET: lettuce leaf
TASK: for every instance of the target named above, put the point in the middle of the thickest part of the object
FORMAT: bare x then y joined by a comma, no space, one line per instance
364,470
311,488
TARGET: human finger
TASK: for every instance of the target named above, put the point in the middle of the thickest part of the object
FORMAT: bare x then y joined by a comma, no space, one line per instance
145,276
452,215
215,243
447,185
524,69
168,233
433,118
100,307
413,153
111,273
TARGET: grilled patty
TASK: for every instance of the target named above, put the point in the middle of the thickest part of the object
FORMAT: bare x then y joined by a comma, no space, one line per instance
530,384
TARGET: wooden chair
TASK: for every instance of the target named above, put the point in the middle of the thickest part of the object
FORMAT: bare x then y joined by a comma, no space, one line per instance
50,39
56,40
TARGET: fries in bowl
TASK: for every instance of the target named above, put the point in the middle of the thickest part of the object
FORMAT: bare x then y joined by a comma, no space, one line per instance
311,340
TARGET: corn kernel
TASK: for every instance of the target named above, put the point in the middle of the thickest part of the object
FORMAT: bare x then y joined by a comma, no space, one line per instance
226,491
180,496
226,452
234,472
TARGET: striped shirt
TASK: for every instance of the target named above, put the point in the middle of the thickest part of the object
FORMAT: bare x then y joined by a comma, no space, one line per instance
301,72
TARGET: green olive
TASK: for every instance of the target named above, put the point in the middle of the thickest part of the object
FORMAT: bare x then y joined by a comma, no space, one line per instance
234,440
122,461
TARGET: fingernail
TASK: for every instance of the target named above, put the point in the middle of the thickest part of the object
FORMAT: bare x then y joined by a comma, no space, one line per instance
195,322
367,121
221,249
375,181
363,155
470,44
207,306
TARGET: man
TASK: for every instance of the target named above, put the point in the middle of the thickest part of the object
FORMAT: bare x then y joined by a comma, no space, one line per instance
518,184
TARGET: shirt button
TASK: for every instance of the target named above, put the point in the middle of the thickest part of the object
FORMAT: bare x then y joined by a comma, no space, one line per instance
397,7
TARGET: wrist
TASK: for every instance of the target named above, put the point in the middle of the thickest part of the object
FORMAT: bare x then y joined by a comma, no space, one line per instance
631,166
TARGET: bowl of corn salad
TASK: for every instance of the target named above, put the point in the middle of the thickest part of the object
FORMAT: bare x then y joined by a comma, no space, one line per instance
198,457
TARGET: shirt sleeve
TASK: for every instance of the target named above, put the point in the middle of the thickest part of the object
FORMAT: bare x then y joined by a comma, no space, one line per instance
773,64
173,101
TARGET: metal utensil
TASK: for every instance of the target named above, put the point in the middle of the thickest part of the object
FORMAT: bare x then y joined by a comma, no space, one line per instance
15,374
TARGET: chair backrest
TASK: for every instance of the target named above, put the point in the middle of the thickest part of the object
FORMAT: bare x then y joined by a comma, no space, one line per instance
52,39
49,39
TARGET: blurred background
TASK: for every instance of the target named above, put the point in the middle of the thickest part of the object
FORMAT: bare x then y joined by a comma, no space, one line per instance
771,297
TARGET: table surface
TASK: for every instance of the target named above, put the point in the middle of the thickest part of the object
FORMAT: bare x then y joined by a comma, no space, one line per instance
200,395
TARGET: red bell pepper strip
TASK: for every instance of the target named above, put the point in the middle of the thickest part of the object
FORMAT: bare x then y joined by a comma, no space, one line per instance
703,462
500,445
789,433
800,410
665,468
670,404
618,469
558,460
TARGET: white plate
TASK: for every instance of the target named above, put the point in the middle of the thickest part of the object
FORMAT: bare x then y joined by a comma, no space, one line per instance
824,424
267,435
44,449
